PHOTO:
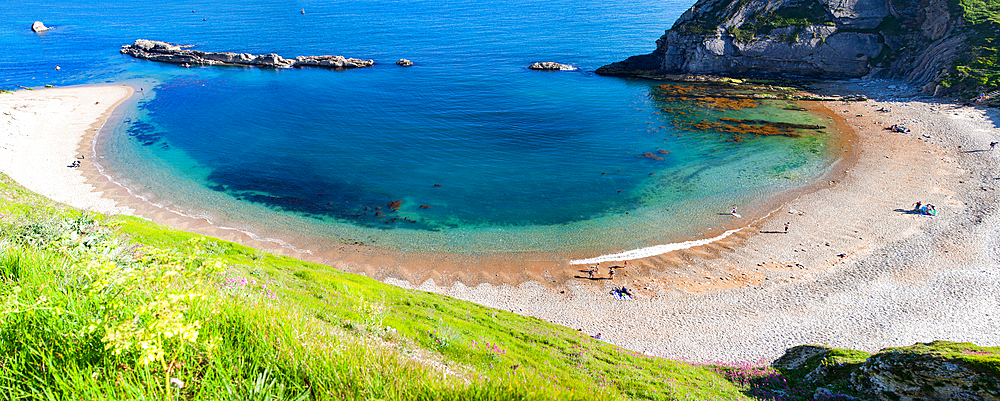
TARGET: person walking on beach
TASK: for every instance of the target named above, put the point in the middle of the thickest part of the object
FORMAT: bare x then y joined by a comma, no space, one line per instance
993,145
786,227
591,272
611,273
916,206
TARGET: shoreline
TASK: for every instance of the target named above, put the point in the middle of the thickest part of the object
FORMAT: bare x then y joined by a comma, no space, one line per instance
42,139
857,269
699,284
553,268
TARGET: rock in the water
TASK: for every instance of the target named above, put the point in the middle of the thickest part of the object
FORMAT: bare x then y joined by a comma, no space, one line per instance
38,26
335,62
550,66
168,53
404,62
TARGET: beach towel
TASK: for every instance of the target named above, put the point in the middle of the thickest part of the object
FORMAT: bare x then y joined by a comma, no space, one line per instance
620,296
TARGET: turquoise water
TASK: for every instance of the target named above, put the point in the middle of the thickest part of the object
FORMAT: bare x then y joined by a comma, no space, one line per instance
466,151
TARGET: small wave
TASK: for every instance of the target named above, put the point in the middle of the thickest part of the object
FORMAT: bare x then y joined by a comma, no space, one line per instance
653,250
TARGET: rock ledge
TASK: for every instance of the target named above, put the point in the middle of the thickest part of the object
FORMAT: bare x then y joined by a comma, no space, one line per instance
167,53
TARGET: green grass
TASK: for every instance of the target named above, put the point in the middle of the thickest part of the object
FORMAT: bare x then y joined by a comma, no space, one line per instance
118,308
95,307
762,23
978,69
983,359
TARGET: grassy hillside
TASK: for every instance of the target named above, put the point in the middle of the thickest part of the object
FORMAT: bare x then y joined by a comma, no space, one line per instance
118,308
100,307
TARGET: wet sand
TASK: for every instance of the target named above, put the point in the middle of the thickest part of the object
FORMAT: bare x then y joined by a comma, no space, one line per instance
856,269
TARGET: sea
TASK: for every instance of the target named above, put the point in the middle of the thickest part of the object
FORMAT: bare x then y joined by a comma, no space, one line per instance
467,151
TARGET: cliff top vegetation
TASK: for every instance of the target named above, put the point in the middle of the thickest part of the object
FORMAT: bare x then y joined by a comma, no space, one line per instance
979,68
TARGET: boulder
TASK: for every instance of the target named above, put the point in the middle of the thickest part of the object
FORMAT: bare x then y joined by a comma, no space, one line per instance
550,66
404,62
38,26
271,60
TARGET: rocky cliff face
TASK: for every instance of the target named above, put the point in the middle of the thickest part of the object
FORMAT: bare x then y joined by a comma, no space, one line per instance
168,53
915,40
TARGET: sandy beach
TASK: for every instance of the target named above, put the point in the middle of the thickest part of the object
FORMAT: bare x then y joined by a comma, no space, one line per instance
42,133
856,269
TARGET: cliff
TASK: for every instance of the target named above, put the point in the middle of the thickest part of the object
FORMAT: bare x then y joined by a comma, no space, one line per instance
914,40
168,53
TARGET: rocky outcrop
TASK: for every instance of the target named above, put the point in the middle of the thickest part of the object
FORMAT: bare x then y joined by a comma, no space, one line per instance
404,62
335,62
932,371
915,40
169,53
550,66
903,375
38,26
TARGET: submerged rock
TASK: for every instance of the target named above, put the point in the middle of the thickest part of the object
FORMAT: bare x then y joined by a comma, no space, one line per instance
404,62
550,66
167,53
38,26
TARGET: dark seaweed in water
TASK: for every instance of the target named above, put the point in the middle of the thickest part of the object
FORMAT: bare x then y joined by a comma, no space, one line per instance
689,99
313,196
144,132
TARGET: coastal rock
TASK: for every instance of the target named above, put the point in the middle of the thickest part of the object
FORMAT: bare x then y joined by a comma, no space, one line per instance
907,39
924,371
798,357
404,62
336,62
38,26
906,375
169,53
550,66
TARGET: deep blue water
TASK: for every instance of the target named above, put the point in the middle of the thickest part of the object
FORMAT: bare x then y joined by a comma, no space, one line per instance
480,153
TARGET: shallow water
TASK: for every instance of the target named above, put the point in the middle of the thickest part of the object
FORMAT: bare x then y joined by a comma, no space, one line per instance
466,151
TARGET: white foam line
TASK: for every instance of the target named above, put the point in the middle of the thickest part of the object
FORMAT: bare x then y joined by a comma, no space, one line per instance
653,250
255,237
